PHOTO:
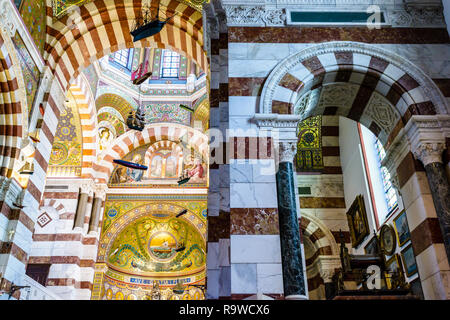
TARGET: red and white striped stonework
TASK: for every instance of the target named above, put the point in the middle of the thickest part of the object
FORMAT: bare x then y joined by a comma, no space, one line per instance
103,27
70,252
10,109
85,102
272,68
151,133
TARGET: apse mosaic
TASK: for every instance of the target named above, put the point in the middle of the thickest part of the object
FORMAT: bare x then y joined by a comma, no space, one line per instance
145,249
165,165
309,145
67,145
33,13
30,71
158,246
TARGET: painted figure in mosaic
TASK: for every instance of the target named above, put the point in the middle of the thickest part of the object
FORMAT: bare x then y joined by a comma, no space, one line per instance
134,174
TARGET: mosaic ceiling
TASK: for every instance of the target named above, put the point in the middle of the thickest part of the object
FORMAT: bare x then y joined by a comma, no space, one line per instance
61,7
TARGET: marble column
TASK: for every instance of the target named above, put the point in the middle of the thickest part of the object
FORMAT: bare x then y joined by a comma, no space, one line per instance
430,154
99,196
85,190
291,250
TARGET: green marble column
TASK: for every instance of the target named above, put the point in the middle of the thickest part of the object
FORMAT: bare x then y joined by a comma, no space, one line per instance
291,250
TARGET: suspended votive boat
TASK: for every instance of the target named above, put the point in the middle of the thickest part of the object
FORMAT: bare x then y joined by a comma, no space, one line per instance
27,168
146,26
141,74
130,164
185,107
183,180
34,136
178,289
181,213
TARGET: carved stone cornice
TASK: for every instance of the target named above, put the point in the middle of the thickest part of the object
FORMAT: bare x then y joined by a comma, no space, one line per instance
291,62
259,13
257,16
427,136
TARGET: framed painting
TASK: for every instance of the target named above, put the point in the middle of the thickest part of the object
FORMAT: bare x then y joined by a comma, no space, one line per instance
357,221
387,240
372,246
393,265
401,228
409,261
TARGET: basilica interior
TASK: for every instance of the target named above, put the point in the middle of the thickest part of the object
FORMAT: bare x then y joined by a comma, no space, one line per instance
224,150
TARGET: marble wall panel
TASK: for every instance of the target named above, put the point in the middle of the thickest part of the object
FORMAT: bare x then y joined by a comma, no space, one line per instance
269,278
243,278
253,195
255,249
254,221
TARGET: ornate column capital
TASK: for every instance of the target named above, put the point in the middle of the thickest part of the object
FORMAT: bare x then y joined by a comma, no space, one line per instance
100,191
428,152
87,187
287,150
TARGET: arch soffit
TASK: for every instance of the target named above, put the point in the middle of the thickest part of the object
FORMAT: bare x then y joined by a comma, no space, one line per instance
325,50
329,238
185,25
131,140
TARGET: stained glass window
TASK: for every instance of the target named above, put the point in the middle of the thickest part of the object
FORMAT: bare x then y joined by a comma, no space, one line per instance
170,64
121,57
389,192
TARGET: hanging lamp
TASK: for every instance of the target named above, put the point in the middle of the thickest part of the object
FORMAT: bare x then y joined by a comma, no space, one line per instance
146,26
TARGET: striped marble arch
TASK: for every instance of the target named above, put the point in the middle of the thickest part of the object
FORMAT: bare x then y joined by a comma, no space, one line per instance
370,73
151,134
86,108
12,119
101,27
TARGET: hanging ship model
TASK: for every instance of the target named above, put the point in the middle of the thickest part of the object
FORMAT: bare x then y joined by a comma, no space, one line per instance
146,25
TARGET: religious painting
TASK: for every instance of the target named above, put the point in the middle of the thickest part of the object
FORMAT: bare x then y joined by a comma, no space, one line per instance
409,261
393,269
357,221
372,246
401,228
166,163
106,136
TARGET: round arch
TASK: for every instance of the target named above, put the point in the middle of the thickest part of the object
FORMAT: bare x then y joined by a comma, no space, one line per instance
152,133
13,103
404,88
103,27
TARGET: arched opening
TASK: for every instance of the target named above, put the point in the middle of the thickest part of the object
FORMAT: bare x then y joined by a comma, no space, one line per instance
323,86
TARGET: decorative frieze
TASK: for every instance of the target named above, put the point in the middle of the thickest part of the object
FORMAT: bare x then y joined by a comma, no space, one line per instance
275,13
